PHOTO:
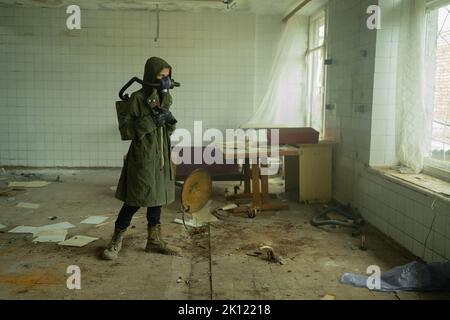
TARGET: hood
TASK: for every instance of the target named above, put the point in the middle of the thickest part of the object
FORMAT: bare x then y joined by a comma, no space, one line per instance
152,67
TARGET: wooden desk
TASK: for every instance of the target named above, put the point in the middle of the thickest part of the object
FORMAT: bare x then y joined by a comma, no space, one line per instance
309,174
256,184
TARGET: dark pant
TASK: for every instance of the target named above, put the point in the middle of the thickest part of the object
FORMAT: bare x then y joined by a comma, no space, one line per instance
127,212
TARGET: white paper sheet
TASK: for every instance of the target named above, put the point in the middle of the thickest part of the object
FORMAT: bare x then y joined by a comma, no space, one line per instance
51,236
94,220
56,226
190,223
229,207
27,205
28,184
2,226
77,241
23,229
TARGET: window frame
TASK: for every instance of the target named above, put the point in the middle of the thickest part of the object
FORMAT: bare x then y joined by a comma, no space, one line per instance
320,13
435,167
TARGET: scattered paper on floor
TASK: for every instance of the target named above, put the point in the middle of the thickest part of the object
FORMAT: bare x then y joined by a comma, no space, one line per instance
23,229
229,207
190,223
77,241
51,236
61,225
2,226
28,184
204,214
27,205
94,220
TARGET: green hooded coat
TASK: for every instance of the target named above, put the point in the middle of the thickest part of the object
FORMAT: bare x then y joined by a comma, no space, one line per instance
147,177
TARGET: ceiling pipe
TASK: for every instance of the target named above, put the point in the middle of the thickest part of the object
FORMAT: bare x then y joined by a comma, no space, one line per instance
157,23
297,9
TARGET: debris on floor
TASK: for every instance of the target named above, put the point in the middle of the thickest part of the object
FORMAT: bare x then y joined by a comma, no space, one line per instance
221,214
2,226
105,223
52,218
271,256
56,226
29,184
23,229
36,230
57,235
204,215
8,192
329,297
113,188
228,207
196,231
191,222
415,276
27,205
94,220
338,216
78,241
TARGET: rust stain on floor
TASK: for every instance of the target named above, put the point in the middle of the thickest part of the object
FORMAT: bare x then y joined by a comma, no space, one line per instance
29,281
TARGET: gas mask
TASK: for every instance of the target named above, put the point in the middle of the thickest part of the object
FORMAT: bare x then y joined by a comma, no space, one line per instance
162,85
166,83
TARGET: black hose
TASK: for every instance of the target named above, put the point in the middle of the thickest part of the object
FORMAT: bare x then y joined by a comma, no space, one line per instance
321,219
136,79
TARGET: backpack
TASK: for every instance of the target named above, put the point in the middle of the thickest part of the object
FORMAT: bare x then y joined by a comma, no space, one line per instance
124,119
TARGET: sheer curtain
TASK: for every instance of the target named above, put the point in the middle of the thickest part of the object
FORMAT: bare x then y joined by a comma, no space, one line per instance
413,111
283,104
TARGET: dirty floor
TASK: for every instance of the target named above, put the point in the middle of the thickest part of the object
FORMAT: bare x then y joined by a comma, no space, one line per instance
314,258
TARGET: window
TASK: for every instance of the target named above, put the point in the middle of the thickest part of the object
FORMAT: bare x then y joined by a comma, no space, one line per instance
438,37
315,64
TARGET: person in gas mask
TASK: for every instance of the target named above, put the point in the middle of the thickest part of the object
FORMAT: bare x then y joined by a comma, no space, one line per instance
147,177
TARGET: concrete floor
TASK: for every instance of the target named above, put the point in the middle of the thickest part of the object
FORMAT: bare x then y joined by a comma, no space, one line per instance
316,258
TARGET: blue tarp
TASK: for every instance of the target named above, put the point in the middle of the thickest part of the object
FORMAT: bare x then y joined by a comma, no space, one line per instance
415,276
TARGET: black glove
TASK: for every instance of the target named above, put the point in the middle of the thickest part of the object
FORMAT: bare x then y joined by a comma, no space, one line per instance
162,116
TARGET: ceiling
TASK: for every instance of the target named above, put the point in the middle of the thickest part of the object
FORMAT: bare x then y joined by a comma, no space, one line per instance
276,7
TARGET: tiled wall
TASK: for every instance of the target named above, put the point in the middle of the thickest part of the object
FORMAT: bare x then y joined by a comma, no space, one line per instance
58,87
350,88
383,110
363,93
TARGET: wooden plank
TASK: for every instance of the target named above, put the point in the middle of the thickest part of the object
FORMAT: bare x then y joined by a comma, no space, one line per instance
255,185
247,175
264,186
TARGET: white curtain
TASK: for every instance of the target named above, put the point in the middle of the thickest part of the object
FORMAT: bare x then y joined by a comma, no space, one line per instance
412,110
283,103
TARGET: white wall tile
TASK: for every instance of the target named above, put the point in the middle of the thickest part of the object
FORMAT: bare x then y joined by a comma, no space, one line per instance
65,112
399,212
